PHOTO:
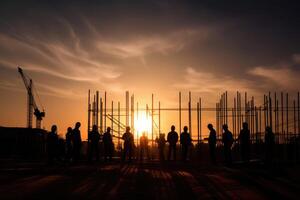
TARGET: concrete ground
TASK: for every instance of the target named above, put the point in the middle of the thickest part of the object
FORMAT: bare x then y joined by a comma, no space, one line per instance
147,180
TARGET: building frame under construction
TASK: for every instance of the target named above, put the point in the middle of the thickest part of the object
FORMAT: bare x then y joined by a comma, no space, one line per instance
276,110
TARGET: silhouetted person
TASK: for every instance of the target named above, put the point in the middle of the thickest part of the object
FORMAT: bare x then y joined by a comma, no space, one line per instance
93,143
52,144
212,141
172,139
185,141
108,144
269,144
227,140
144,146
244,139
69,145
161,143
77,143
128,144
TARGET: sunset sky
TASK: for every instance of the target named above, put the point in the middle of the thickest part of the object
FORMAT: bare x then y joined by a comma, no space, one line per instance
159,47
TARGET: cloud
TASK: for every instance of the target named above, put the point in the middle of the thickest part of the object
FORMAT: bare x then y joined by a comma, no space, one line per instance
283,78
206,82
140,46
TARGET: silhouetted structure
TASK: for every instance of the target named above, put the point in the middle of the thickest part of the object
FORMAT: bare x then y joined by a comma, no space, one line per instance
93,143
128,144
227,140
185,141
244,140
172,139
69,144
269,145
108,144
212,141
144,150
52,144
161,143
77,142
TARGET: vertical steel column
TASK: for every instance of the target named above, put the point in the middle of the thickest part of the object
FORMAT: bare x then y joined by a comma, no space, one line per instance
270,111
287,115
152,119
132,113
89,112
190,115
105,100
127,108
137,119
298,102
179,111
200,118
282,118
97,109
159,129
112,117
198,125
119,122
101,115
294,117
226,107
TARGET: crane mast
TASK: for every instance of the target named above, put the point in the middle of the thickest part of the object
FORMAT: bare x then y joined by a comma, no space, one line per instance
32,108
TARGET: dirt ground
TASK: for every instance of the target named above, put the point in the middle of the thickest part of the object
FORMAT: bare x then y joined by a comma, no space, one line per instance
147,180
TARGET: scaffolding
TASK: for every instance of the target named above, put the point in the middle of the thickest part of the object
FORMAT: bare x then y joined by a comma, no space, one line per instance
281,114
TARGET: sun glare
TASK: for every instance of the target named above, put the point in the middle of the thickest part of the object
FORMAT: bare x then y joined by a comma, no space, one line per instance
143,123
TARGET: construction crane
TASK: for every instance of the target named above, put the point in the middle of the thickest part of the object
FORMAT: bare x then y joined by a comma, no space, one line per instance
32,107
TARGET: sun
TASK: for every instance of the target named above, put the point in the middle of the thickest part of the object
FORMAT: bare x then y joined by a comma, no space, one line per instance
142,123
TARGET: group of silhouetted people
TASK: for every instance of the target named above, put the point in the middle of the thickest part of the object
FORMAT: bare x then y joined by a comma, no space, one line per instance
72,147
243,140
73,144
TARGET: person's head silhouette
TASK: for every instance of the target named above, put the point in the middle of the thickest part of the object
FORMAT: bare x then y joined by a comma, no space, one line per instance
245,125
69,129
225,127
185,129
210,126
127,129
268,129
172,128
95,127
53,128
108,129
77,125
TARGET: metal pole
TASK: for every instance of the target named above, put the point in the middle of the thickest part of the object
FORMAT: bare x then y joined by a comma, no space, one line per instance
152,119
119,122
159,129
132,114
112,117
137,118
89,111
105,111
101,115
287,115
298,114
179,111
226,108
294,117
190,114
127,108
270,111
200,118
282,118
198,125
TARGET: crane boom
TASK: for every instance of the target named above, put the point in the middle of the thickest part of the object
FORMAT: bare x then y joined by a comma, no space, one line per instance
32,107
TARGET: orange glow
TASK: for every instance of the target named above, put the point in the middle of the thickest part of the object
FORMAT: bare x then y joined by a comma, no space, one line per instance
142,123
